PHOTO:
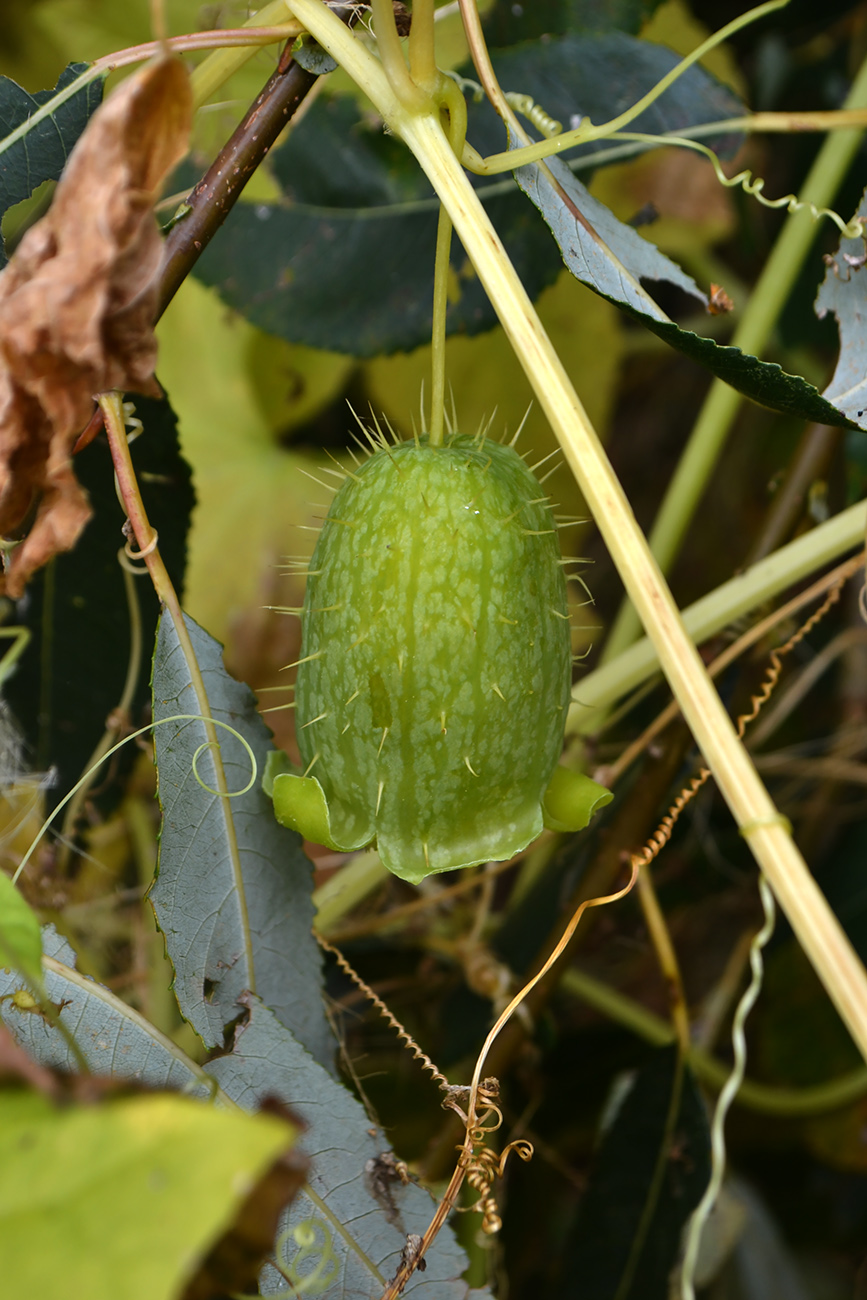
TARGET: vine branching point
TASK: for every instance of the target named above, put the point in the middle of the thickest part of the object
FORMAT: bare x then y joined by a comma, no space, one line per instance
806,907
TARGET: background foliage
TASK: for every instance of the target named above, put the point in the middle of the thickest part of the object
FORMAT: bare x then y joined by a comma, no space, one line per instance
317,292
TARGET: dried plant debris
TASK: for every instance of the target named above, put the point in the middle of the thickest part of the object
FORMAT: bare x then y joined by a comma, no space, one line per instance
77,307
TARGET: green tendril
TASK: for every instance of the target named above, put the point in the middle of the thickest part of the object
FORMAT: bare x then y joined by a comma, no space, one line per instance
745,180
534,113
176,717
727,1096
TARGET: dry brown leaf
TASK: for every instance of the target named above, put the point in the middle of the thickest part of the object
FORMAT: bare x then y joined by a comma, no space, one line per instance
77,307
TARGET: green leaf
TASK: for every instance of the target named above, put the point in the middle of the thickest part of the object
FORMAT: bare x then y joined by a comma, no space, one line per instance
110,1034
623,1195
346,261
355,1238
39,152
506,23
844,292
599,250
123,1198
613,260
72,675
599,76
20,937
232,894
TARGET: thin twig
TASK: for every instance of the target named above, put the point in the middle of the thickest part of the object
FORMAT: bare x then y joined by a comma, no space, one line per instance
220,188
402,1033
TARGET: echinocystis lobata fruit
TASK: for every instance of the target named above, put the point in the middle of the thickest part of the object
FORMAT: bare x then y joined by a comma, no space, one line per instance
435,663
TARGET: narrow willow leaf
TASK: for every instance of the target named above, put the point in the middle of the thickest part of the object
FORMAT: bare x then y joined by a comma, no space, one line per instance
599,250
844,292
112,1037
613,260
232,894
123,1198
337,1228
20,938
39,152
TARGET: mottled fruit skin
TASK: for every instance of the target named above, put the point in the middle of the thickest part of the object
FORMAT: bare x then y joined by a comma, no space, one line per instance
436,656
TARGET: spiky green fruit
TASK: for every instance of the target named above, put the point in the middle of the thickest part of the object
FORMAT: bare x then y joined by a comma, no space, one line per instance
435,662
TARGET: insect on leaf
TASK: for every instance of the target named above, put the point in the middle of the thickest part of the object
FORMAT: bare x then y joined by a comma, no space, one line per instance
111,1034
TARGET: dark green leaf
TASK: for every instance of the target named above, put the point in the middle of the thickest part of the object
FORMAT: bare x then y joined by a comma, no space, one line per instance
72,674
613,260
355,1235
764,382
844,292
360,280
40,153
621,1199
506,23
232,894
600,76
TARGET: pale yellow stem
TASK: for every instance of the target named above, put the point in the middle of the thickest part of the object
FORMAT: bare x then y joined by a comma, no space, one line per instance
806,907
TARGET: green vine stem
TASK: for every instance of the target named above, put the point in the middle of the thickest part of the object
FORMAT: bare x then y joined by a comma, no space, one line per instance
760,316
453,101
586,132
422,54
697,1223
727,603
767,1099
768,836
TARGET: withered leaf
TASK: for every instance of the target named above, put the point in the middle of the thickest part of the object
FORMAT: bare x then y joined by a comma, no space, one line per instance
77,307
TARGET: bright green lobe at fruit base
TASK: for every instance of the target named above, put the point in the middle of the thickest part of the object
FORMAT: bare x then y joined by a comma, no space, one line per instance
436,661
